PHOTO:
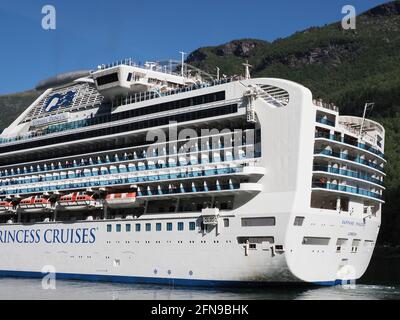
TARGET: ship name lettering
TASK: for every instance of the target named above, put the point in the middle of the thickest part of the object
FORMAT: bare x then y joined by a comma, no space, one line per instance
50,236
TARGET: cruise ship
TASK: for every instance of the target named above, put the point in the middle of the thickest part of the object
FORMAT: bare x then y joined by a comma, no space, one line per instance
162,174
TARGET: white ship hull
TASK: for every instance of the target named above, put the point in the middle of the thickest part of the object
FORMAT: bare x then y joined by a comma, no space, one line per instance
190,257
301,205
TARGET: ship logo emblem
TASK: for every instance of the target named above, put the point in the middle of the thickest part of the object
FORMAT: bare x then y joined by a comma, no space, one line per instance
59,100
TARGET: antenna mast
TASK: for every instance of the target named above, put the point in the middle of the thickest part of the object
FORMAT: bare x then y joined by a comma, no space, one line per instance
366,107
247,70
183,63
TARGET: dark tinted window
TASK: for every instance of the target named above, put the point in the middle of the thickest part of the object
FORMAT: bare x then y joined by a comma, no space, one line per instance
201,114
110,78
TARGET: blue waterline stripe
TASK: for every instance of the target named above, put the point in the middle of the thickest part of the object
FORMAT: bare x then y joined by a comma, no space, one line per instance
162,281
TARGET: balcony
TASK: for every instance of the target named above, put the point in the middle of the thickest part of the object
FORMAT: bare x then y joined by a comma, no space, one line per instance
325,105
324,135
325,121
132,155
108,178
347,189
195,191
345,156
347,173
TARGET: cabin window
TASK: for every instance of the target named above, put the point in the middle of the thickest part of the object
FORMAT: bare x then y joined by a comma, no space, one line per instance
316,241
169,226
192,226
340,243
109,228
180,226
258,222
158,227
226,223
256,240
118,228
195,115
128,228
354,246
298,221
137,227
148,227
107,79
369,243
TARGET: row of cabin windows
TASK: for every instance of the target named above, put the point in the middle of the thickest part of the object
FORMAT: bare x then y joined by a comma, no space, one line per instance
148,227
161,121
167,106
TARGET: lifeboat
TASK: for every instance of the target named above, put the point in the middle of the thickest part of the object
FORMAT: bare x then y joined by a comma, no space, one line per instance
121,200
78,201
35,204
6,207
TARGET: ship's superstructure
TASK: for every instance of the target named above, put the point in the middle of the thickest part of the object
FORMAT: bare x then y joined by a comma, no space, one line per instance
140,174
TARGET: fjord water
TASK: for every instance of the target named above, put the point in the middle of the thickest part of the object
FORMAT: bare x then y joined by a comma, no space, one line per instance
382,281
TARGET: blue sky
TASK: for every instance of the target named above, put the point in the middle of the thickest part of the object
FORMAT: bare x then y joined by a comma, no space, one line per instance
92,32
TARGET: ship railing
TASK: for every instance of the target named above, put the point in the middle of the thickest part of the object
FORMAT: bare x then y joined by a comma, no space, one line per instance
218,167
226,153
346,156
189,189
155,66
348,173
126,178
350,129
325,105
144,96
363,146
132,150
126,166
347,189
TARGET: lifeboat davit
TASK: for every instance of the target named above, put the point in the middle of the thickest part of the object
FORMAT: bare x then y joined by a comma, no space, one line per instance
121,200
35,204
6,207
78,201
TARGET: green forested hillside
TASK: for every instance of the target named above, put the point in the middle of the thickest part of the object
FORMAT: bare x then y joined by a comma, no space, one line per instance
11,106
347,67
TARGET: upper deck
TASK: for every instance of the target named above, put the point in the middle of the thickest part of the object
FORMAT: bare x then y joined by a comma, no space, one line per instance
99,144
87,102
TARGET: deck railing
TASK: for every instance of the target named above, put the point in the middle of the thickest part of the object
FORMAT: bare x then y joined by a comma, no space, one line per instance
346,156
348,173
363,146
341,188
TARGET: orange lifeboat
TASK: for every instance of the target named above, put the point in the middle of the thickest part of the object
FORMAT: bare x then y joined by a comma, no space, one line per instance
35,204
6,207
121,200
78,201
